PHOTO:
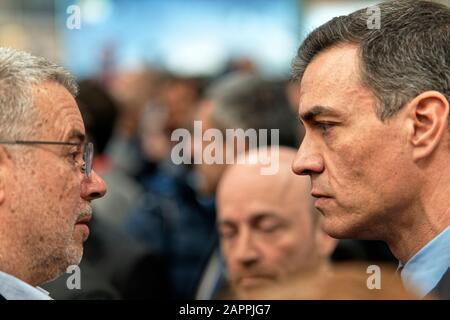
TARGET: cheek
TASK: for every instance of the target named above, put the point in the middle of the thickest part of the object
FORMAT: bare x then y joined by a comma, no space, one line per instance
226,250
360,158
298,250
69,187
344,171
47,193
62,191
71,203
369,170
282,254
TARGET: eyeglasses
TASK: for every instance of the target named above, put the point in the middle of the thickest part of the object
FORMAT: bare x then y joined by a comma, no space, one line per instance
88,151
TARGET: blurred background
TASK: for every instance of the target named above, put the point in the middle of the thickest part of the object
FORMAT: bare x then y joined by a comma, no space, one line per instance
146,68
195,37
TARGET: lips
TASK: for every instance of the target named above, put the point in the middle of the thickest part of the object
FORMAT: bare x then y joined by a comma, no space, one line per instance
254,280
84,219
82,225
318,194
322,199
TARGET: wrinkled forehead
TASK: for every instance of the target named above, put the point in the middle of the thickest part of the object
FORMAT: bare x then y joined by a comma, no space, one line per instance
58,111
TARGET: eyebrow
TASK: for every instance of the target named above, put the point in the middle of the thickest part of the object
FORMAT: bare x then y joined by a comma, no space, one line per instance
253,219
258,217
225,222
316,111
76,134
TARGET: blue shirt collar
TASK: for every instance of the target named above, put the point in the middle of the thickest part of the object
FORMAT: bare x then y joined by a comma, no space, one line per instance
12,288
423,271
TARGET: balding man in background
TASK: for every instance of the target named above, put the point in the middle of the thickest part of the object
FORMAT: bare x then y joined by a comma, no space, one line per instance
269,229
181,222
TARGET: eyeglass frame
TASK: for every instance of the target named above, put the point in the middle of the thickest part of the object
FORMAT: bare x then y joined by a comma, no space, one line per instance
88,151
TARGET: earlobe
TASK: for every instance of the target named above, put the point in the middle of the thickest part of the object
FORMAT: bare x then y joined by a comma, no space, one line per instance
429,114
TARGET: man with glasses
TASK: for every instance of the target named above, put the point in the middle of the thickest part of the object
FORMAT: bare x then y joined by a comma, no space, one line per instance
46,176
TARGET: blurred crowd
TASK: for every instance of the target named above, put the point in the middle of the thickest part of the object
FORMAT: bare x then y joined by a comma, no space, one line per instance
157,234
200,229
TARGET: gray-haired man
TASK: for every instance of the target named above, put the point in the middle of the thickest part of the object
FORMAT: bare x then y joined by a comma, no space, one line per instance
46,177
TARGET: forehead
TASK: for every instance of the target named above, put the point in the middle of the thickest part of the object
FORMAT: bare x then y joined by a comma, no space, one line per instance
244,192
59,113
332,79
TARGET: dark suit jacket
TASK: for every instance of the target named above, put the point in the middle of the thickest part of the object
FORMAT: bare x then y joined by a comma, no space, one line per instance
113,267
442,290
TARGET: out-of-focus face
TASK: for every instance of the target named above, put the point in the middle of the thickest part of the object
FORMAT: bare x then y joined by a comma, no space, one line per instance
360,167
132,89
208,174
267,232
179,98
48,195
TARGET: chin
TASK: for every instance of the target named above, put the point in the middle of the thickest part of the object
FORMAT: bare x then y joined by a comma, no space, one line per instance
74,254
61,264
346,228
337,228
259,291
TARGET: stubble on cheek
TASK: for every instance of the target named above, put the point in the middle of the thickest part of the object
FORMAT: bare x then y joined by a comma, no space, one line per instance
58,248
349,168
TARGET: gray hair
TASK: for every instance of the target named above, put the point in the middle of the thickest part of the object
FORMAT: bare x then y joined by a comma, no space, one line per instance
226,113
408,55
19,72
246,101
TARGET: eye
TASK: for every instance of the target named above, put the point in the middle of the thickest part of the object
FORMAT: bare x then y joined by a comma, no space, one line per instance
75,157
325,127
268,225
226,232
83,167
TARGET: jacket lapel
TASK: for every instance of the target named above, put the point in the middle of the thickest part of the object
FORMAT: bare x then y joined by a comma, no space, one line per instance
442,289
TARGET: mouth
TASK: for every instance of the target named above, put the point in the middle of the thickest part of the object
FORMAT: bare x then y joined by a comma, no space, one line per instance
254,280
318,194
84,219
321,199
82,225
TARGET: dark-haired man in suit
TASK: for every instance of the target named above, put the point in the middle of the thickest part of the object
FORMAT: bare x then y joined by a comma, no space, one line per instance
375,105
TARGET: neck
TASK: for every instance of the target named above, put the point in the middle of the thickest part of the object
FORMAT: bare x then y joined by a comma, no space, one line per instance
15,261
422,222
12,265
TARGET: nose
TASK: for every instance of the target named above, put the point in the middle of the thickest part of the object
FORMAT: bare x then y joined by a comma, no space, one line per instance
93,187
307,161
246,252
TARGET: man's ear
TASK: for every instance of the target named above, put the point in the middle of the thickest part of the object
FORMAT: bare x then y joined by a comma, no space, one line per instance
429,113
